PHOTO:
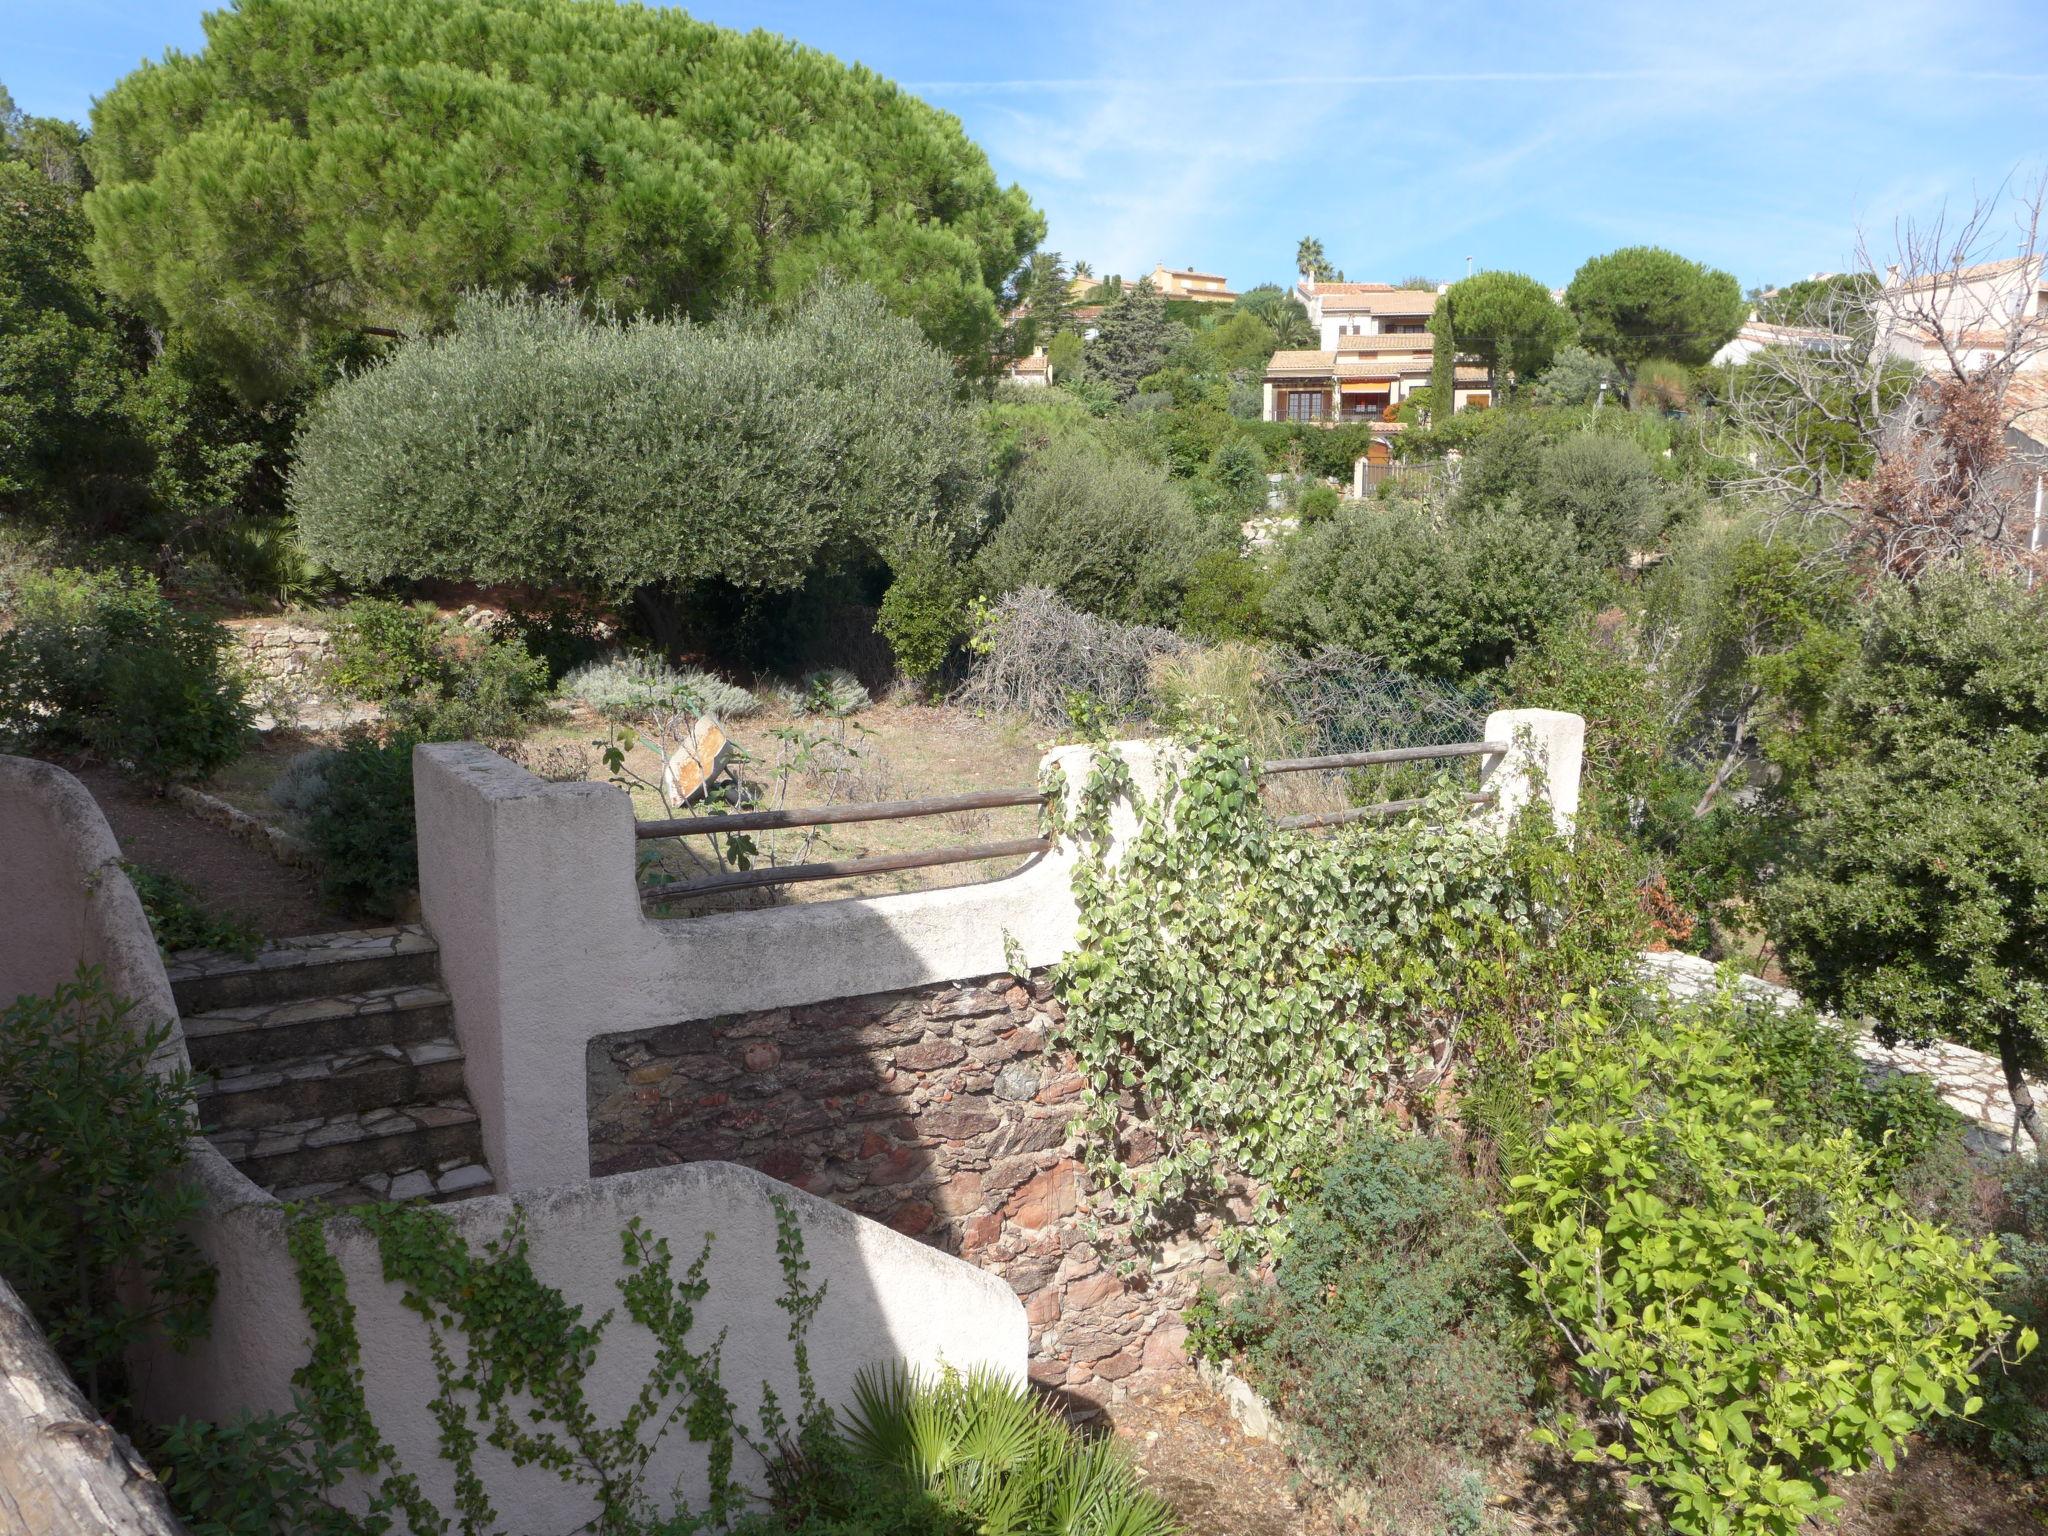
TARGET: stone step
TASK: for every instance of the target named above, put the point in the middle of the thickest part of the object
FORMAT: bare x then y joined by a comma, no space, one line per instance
313,965
356,1145
437,1183
404,1014
356,1078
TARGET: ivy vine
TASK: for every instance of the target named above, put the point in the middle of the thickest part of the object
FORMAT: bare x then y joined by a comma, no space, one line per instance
1239,995
511,1355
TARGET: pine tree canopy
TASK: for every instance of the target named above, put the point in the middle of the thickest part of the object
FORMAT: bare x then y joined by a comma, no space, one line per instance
329,168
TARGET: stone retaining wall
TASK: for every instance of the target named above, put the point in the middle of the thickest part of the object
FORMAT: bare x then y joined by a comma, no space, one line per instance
940,1110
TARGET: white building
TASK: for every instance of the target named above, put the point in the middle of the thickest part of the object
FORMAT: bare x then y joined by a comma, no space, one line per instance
1981,311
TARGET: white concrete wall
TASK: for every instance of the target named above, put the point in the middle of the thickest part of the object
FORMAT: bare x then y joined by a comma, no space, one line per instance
887,1298
529,889
64,898
1546,748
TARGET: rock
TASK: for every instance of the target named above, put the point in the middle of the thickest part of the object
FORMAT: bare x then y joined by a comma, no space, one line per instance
1017,1082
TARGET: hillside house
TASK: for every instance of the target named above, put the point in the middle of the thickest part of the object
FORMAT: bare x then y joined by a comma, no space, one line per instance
1982,311
1186,283
1758,335
1376,351
1033,372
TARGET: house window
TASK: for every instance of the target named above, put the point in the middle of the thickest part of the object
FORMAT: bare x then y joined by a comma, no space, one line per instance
1304,405
1478,402
1403,328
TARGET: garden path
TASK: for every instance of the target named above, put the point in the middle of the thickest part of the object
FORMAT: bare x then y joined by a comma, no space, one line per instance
1970,1082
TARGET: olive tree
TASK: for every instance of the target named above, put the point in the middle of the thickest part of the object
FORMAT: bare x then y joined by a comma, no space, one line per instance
1915,891
536,444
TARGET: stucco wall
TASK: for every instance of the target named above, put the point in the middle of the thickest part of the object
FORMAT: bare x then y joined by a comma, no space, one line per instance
528,887
64,899
887,1298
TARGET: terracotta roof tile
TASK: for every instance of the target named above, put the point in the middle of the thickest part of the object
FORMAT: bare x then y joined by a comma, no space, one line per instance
1397,301
1419,342
1302,362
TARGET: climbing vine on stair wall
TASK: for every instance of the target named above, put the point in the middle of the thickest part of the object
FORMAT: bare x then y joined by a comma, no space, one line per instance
511,1355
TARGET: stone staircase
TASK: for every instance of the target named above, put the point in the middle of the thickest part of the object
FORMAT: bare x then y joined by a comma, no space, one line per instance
327,1067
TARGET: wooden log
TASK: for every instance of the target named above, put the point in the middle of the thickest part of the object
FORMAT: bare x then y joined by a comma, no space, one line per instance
834,815
838,869
63,1469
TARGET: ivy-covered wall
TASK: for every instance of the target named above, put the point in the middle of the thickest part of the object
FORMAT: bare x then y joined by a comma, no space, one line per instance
939,1110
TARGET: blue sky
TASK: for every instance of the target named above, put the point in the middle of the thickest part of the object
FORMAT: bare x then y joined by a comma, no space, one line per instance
1759,137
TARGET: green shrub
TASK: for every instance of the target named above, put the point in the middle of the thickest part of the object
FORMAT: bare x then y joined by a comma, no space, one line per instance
92,1214
262,1474
1604,490
181,921
360,825
1318,502
1391,1327
1107,533
100,662
1752,1312
924,614
1448,602
830,691
1226,597
562,635
2014,1425
434,679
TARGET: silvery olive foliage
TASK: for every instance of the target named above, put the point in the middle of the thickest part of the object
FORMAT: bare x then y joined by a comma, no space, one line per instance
538,443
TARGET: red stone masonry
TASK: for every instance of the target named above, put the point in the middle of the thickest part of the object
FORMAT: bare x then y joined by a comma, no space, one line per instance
940,1110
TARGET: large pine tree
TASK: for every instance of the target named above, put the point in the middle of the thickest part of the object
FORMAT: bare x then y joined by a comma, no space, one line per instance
327,169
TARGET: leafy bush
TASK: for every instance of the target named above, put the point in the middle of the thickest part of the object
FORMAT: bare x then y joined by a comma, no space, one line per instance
2014,1425
92,1213
257,1475
1392,1326
1318,501
1747,1303
562,635
625,687
1108,533
533,443
1915,890
924,614
1603,489
1235,987
101,662
434,679
1226,595
181,921
1440,602
360,824
998,1458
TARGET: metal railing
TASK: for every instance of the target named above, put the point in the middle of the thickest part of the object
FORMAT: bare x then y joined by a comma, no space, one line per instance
718,823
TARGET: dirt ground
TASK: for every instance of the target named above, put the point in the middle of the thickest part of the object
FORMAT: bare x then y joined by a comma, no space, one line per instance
1223,1483
231,876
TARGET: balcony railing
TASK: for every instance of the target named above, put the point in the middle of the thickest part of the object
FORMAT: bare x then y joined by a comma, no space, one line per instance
718,823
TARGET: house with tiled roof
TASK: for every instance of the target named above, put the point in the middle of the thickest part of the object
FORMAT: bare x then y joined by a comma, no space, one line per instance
1376,351
1759,335
1979,310
1186,283
1033,372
